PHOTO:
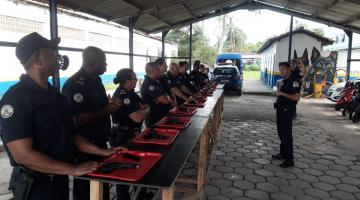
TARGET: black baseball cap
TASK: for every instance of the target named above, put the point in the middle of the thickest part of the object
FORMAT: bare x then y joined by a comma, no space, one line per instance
31,43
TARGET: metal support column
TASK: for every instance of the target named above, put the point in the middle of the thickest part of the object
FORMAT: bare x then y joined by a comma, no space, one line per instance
132,22
290,37
190,47
54,34
348,62
163,35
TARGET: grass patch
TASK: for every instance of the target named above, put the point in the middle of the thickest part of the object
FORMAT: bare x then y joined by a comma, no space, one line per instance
110,86
251,75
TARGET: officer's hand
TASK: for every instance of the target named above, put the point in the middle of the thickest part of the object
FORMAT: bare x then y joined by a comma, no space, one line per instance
197,94
84,168
111,151
114,104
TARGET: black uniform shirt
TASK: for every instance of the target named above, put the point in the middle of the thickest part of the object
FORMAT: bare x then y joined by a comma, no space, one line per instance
30,111
291,85
131,103
166,84
185,79
150,91
87,94
196,78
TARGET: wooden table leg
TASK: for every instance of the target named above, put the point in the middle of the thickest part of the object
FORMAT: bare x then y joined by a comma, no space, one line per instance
202,159
96,190
168,193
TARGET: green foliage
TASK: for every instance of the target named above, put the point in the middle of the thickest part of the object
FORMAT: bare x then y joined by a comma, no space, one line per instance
201,49
318,31
251,67
251,75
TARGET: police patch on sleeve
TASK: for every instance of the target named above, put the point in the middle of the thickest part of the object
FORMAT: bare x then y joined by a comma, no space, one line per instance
7,111
295,84
169,81
127,101
78,98
151,88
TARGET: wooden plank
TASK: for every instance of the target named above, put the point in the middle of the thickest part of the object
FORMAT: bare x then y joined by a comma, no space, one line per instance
168,193
202,158
185,190
185,180
96,190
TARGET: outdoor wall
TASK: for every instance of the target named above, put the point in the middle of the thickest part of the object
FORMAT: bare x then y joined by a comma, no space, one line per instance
18,19
267,64
299,42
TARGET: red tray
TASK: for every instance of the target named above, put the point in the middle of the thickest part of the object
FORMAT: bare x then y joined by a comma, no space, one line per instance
148,160
178,112
199,104
162,123
171,133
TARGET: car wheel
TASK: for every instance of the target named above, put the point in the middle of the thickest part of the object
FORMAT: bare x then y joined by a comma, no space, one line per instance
239,92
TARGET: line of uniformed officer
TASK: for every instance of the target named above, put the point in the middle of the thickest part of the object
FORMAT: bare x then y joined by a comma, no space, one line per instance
38,130
287,97
49,135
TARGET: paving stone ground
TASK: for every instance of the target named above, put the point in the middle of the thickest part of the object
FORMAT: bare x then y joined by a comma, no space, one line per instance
241,166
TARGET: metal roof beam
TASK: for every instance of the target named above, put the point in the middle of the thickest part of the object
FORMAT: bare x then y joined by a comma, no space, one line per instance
262,5
187,7
140,8
352,19
204,17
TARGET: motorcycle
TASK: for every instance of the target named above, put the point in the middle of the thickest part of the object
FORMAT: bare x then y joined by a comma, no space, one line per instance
346,96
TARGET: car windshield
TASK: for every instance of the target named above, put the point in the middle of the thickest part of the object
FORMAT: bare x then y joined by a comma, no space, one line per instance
225,70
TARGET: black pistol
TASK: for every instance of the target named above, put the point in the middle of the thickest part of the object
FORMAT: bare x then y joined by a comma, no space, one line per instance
106,167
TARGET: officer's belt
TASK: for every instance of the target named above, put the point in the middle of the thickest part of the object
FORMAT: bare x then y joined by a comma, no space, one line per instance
38,175
126,128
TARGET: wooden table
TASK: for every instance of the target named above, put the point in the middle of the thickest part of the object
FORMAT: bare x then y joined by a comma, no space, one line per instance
204,126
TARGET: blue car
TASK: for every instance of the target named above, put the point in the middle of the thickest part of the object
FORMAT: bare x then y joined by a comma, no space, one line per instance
230,76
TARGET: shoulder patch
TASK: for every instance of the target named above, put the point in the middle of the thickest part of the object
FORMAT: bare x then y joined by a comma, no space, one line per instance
78,97
81,78
169,81
151,87
127,101
7,111
295,84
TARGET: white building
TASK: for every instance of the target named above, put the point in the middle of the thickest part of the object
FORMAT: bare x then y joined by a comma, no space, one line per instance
77,31
276,49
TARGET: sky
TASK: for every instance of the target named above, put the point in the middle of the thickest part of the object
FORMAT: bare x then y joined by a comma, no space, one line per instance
260,25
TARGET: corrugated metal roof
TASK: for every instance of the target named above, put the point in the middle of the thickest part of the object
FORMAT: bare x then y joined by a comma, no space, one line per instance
324,40
162,15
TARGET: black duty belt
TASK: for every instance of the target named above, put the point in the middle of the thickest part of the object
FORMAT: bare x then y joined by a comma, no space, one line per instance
38,175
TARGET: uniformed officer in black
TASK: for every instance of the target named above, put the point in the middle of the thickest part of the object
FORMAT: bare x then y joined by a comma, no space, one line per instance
37,127
287,97
168,82
175,83
128,120
195,75
91,107
184,77
154,95
204,77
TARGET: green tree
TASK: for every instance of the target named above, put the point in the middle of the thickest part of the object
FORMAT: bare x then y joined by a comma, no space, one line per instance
318,31
201,49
